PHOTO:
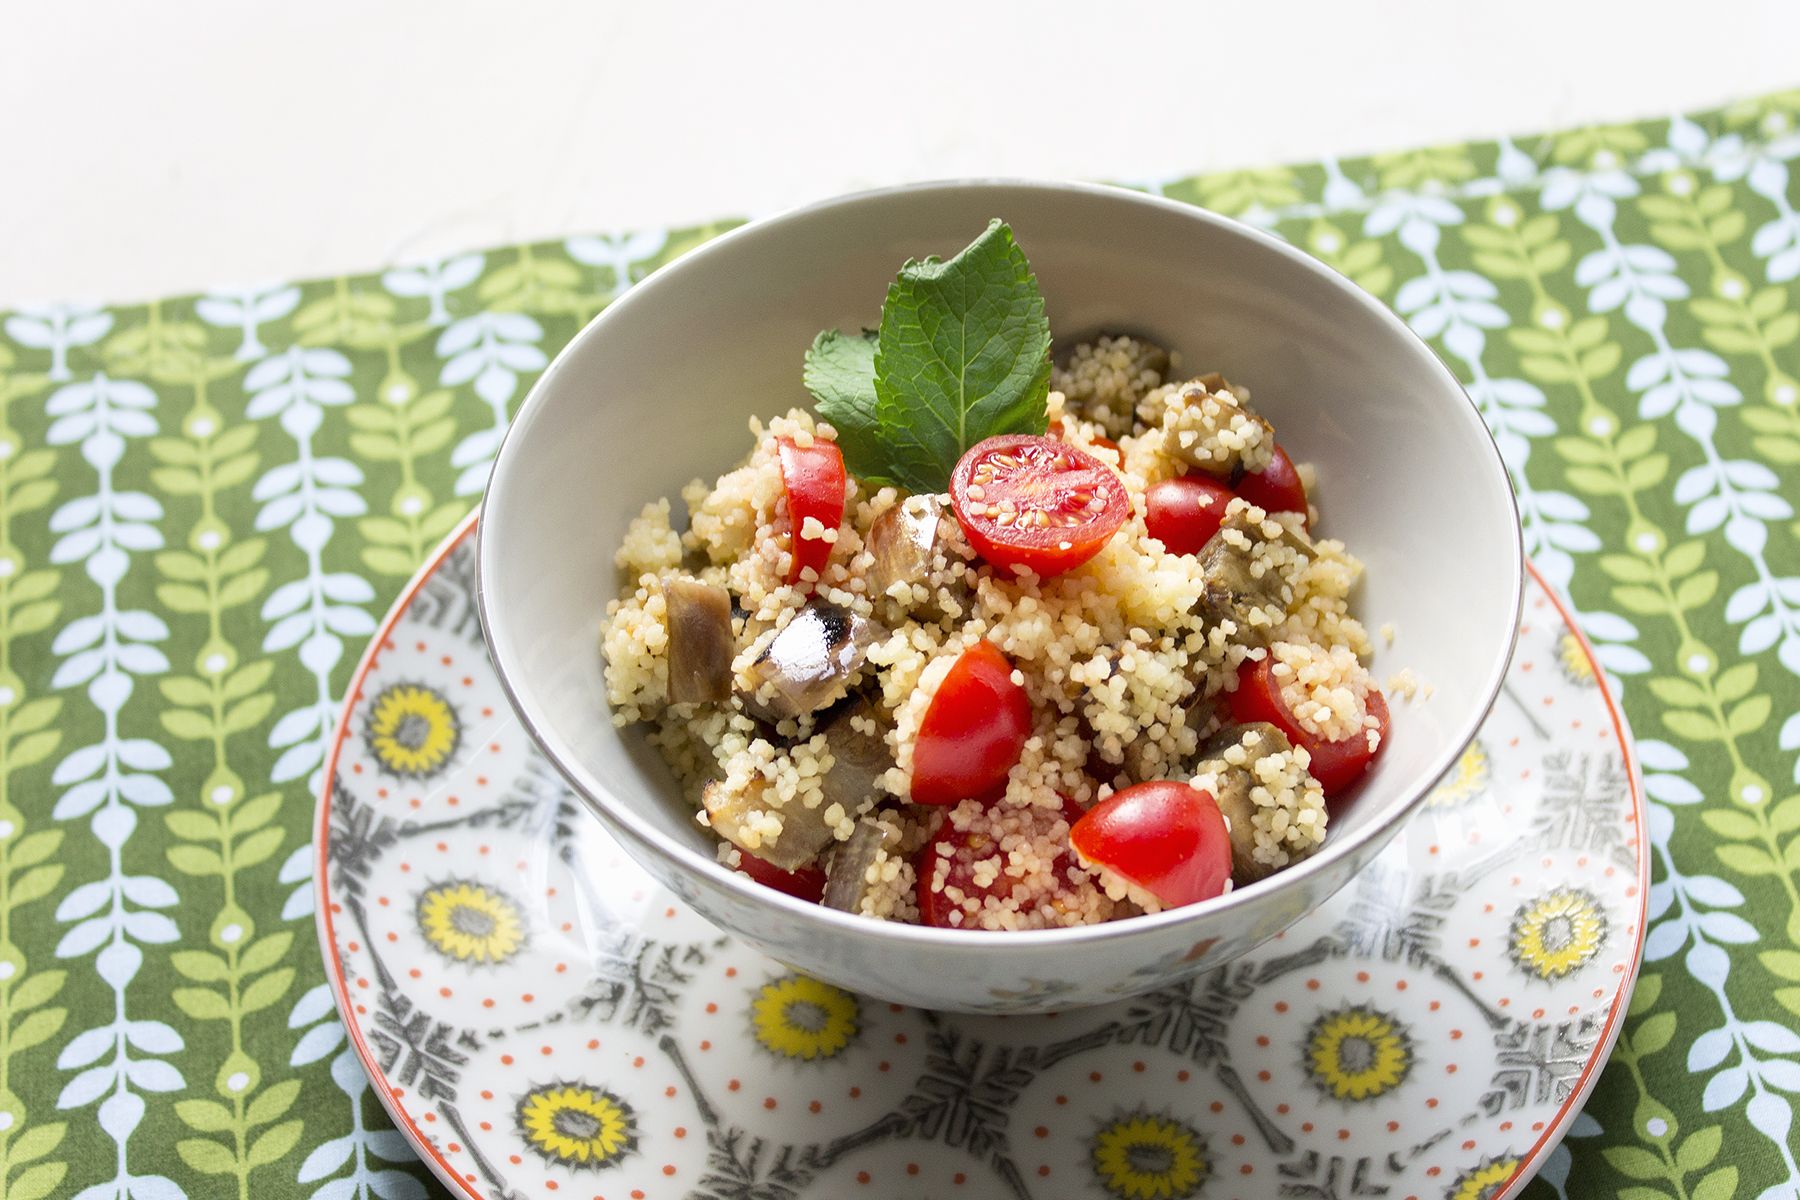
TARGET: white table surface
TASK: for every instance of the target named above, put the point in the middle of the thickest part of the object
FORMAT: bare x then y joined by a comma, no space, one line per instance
158,148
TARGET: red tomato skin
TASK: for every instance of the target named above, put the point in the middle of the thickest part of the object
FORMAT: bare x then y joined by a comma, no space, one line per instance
1183,513
1258,698
813,477
803,883
973,730
934,907
1038,550
1275,488
1336,765
1165,837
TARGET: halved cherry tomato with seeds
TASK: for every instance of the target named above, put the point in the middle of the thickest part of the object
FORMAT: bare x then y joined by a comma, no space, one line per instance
1336,765
1165,837
813,477
973,730
802,883
956,852
1183,513
1275,488
1034,503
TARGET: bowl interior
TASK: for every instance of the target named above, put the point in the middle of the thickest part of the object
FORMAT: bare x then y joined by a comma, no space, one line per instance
658,390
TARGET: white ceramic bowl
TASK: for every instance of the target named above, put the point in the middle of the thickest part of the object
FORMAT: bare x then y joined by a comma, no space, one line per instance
657,390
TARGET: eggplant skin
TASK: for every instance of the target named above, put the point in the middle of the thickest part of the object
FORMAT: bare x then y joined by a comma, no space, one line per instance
902,541
859,758
701,642
808,665
1260,739
846,880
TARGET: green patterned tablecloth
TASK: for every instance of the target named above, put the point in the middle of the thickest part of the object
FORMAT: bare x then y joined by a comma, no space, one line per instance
206,503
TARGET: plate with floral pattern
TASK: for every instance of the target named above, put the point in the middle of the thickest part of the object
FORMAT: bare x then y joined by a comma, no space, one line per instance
543,1020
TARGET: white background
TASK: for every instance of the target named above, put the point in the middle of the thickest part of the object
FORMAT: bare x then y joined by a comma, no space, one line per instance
153,148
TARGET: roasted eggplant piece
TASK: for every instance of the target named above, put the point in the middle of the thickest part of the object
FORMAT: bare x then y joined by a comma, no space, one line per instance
860,756
1142,764
732,811
857,739
1233,585
902,541
1149,356
846,877
808,665
701,642
1217,404
1235,783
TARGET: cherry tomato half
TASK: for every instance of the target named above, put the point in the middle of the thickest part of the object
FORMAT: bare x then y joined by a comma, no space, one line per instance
1165,837
1275,488
973,730
813,477
1336,765
1035,503
1183,513
964,848
803,883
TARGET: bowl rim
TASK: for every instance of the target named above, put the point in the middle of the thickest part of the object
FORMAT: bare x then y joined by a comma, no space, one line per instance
618,815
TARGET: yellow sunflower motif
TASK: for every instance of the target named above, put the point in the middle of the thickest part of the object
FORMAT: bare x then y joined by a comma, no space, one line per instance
470,923
1577,667
1484,1180
1145,1156
1467,780
1557,934
1357,1053
412,730
798,1017
575,1125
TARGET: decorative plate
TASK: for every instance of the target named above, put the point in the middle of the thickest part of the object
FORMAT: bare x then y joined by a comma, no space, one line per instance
543,1020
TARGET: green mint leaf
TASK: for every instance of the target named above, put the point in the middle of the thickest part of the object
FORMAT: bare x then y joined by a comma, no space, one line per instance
840,373
963,355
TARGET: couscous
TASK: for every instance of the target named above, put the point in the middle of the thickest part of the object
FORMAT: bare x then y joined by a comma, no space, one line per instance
1072,654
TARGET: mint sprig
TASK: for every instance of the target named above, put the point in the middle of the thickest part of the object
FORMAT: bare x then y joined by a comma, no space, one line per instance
840,373
962,354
